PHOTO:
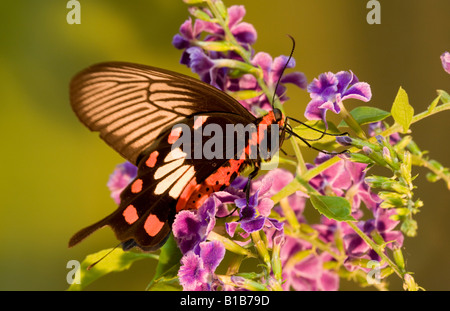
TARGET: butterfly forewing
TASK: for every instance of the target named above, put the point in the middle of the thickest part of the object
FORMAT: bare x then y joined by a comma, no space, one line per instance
131,104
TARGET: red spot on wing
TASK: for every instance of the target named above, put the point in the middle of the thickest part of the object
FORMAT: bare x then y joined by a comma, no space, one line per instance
151,161
153,225
174,135
130,214
136,186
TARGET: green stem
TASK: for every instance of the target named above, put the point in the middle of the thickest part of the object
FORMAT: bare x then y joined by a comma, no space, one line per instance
425,163
301,167
351,122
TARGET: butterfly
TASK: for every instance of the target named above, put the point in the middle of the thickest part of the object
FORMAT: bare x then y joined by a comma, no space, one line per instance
138,110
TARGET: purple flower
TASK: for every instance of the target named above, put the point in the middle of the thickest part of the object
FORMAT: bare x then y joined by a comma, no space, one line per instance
330,90
254,215
190,228
123,174
244,32
272,70
197,269
355,245
445,59
204,66
189,33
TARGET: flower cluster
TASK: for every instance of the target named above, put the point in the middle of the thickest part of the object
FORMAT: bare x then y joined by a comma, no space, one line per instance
234,67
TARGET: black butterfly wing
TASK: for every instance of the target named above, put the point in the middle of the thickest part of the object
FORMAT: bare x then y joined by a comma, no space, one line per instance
130,104
170,179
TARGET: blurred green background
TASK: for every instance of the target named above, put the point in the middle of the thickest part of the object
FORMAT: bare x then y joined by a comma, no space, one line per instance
55,171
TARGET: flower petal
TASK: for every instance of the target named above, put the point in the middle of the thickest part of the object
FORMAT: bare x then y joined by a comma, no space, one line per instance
445,60
192,274
245,33
235,14
345,79
297,78
360,91
264,60
253,225
212,254
313,112
319,85
265,205
186,229
230,227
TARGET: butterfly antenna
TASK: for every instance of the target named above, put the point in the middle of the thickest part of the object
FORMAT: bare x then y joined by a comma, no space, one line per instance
317,130
103,257
282,71
292,133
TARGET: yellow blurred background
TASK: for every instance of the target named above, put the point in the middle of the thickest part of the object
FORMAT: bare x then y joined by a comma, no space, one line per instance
54,173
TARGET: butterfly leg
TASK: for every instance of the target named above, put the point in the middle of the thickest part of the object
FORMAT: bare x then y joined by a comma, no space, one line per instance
249,183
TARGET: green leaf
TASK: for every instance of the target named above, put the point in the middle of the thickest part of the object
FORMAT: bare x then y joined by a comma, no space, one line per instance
445,97
116,260
168,265
434,104
402,111
365,115
337,208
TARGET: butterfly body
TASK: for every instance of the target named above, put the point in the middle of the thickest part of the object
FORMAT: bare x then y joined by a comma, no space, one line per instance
143,113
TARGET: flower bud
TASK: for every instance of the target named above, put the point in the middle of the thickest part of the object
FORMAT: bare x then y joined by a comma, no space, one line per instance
380,139
409,227
344,140
198,13
399,259
409,283
431,177
367,150
278,241
247,283
445,59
